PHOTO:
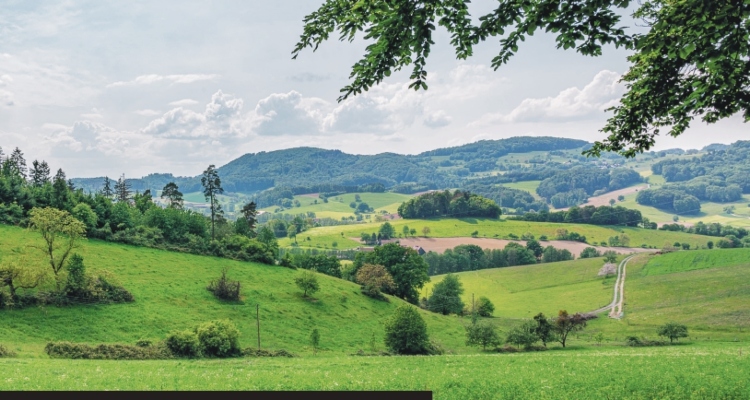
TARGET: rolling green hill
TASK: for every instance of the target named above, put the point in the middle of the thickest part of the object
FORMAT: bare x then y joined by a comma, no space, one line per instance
170,293
524,291
338,206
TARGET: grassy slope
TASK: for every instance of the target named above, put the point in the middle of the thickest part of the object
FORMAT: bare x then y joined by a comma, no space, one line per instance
170,294
698,371
705,289
524,291
338,206
451,227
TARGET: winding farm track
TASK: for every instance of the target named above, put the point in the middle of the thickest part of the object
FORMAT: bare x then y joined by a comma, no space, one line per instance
616,306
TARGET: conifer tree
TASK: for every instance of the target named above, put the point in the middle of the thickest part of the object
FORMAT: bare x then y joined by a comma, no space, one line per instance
107,189
18,161
40,173
122,189
212,187
172,193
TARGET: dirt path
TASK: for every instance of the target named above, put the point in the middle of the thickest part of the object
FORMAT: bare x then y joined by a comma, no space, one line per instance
618,298
439,245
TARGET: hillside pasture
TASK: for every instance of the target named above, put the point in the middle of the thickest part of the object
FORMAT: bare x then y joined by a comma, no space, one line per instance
523,291
170,294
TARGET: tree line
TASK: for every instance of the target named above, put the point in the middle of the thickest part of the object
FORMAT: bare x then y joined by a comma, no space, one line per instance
116,213
456,204
572,187
602,215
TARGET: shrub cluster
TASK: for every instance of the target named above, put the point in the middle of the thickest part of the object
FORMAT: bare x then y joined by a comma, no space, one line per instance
106,351
6,352
635,341
212,339
251,352
225,289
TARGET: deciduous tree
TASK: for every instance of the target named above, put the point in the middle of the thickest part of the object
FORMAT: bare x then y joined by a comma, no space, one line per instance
171,192
673,331
61,233
566,323
688,61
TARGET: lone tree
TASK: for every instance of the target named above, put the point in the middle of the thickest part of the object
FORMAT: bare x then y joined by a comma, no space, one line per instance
212,187
689,62
566,323
406,331
307,282
673,331
61,233
485,308
171,192
482,334
446,296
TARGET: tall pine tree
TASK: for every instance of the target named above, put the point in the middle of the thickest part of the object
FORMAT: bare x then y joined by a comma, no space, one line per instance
172,193
107,189
212,187
60,191
40,173
122,189
18,161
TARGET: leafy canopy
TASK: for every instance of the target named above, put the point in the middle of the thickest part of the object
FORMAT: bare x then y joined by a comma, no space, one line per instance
690,62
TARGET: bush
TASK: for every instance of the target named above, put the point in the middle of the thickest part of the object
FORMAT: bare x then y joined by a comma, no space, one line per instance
219,339
105,351
406,332
251,352
485,308
6,352
590,252
225,289
184,344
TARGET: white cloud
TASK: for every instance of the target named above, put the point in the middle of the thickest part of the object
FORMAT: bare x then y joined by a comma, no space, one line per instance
437,119
383,109
174,79
148,112
289,114
184,103
221,118
601,93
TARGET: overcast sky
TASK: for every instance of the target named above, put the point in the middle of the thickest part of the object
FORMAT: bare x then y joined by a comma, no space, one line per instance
104,88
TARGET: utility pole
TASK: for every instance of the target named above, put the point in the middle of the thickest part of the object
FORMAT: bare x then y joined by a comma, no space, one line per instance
257,320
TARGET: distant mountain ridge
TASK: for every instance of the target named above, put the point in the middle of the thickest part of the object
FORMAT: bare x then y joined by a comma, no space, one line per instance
309,166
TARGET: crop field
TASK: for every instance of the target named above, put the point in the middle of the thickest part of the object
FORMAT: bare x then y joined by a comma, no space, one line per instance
529,186
489,228
170,293
524,291
695,371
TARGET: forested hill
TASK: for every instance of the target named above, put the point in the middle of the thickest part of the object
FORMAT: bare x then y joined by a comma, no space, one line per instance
307,166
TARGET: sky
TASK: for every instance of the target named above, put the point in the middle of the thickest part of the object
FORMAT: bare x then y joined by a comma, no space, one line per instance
111,87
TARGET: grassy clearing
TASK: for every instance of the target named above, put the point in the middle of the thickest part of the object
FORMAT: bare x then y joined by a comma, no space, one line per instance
170,292
710,299
710,212
529,186
676,372
524,291
464,227
340,204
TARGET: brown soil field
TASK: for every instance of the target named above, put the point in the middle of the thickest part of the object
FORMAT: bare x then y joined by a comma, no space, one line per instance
603,200
439,245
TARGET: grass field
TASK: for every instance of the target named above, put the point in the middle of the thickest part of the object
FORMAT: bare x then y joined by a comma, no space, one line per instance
708,290
338,206
524,291
170,292
451,227
710,212
697,371
529,186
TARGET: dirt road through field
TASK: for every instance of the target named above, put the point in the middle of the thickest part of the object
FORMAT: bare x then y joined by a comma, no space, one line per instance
618,298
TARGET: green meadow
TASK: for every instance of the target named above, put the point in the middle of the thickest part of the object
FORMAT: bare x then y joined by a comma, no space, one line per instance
696,371
524,291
